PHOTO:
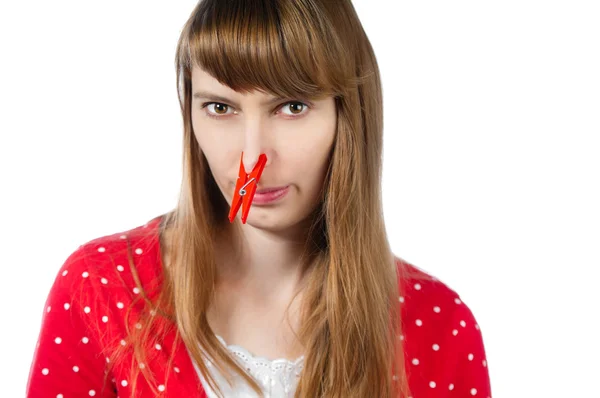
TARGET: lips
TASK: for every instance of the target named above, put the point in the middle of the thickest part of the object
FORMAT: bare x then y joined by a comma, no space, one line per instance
272,189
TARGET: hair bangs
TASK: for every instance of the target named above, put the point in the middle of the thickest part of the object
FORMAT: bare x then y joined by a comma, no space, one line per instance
276,46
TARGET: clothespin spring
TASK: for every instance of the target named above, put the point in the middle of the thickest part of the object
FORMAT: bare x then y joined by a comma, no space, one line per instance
242,190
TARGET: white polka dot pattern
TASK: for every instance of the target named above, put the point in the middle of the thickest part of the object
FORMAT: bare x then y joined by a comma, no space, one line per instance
444,348
83,322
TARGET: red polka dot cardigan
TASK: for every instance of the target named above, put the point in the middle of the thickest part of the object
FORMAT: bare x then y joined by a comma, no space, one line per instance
444,350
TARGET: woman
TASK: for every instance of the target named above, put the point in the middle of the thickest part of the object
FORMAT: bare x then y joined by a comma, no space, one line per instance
306,298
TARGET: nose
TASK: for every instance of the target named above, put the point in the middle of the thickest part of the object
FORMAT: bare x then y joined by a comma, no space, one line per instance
253,149
249,159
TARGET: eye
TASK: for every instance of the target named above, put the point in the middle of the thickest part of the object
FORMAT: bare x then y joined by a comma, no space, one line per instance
295,106
220,110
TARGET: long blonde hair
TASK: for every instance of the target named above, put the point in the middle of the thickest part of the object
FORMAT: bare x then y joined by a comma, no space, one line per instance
350,324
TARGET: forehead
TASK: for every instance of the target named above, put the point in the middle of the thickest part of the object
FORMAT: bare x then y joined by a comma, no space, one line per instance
200,76
206,82
206,86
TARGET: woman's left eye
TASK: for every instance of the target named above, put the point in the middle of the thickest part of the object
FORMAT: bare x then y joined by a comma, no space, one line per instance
297,105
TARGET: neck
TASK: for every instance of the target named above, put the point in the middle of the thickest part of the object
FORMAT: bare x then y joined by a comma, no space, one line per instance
262,262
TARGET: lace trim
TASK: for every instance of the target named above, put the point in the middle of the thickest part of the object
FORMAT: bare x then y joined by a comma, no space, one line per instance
278,377
262,362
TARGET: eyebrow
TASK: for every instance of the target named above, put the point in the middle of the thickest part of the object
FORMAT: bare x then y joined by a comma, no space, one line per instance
214,97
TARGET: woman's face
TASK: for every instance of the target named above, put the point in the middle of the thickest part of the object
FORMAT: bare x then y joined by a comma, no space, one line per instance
296,137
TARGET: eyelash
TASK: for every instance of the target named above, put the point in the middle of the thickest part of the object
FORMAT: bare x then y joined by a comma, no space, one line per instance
204,105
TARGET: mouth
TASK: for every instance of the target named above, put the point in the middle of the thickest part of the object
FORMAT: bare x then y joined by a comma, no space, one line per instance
271,189
265,197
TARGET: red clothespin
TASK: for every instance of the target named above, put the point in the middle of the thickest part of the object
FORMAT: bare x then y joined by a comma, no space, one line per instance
245,188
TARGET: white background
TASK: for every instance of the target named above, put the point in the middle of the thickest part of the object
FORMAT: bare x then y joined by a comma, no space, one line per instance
491,164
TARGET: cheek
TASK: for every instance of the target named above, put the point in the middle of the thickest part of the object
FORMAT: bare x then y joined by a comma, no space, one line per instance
312,165
214,155
213,148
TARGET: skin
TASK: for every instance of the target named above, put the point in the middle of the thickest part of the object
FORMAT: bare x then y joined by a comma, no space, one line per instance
297,140
259,275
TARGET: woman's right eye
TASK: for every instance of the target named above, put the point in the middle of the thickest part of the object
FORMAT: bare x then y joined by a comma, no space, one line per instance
218,108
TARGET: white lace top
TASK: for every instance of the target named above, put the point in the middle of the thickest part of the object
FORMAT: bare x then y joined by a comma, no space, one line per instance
278,378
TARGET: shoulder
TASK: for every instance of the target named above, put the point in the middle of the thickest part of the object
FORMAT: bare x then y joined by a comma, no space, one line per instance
443,343
431,308
442,339
418,288
104,262
98,279
87,309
